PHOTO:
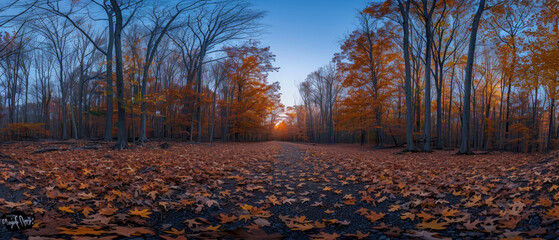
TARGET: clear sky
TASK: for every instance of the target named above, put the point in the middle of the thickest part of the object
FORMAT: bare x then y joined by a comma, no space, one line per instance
304,35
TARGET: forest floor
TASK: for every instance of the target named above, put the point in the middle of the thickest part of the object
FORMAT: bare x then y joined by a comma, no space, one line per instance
276,190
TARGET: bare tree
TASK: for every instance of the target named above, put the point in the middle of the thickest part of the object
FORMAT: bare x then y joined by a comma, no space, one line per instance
43,64
17,8
218,74
320,90
445,36
12,62
305,93
214,25
21,7
56,34
333,88
87,57
161,22
506,25
77,14
69,14
426,10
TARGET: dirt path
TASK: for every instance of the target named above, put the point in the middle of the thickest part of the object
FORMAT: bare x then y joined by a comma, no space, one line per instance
324,190
307,187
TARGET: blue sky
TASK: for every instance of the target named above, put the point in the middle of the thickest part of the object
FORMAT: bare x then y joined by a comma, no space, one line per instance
304,35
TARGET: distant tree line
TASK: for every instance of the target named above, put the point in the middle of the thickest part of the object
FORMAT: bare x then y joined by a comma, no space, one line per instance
131,70
434,74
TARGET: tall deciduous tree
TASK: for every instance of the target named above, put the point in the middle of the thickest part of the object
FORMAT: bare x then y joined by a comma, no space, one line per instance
367,59
248,66
75,17
162,19
404,10
214,25
508,21
446,42
56,33
117,8
465,143
399,11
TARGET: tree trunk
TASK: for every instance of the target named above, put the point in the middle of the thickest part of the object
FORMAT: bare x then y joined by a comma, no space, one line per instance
429,38
378,125
535,125
122,141
331,124
199,98
63,102
509,90
26,111
143,108
550,131
474,119
80,106
440,107
109,79
74,125
465,144
487,114
212,129
404,11
133,132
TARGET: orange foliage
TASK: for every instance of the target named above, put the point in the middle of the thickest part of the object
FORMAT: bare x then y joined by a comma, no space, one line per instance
368,63
254,99
24,131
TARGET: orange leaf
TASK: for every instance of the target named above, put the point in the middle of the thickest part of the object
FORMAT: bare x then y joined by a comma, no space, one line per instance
142,213
66,209
175,231
226,219
108,211
435,225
